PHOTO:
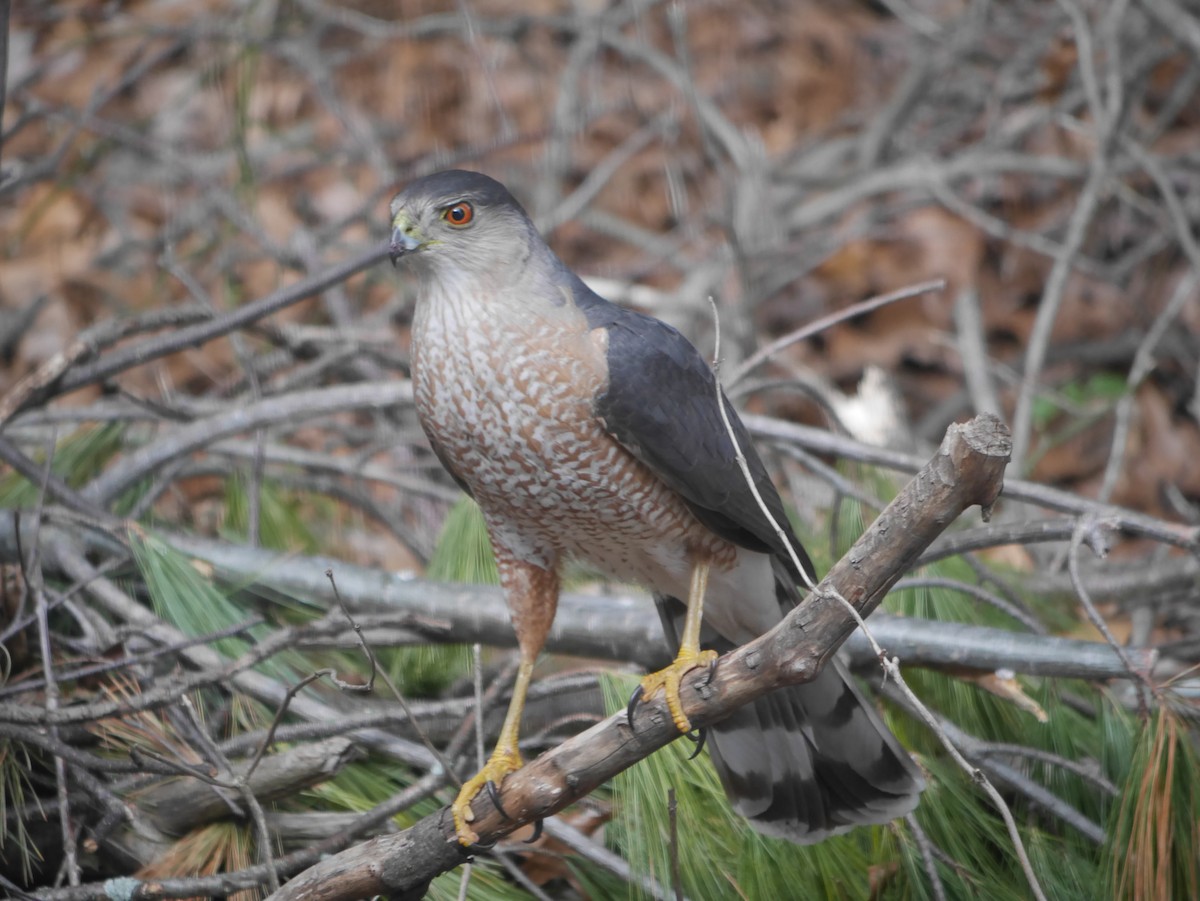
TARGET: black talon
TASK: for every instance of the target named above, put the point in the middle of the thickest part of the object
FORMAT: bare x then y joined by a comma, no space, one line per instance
537,832
633,702
494,794
699,737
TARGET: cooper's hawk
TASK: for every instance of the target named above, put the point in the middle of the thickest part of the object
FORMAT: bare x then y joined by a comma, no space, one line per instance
585,430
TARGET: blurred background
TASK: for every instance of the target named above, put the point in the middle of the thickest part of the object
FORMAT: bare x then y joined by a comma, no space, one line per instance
166,165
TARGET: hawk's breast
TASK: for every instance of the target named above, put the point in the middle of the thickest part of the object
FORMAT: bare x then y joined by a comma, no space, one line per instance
509,406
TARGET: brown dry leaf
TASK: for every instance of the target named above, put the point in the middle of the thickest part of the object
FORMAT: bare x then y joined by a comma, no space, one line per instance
928,243
799,66
277,98
1078,457
1115,620
276,212
1059,64
1015,557
880,876
1090,310
50,229
1163,448
1008,688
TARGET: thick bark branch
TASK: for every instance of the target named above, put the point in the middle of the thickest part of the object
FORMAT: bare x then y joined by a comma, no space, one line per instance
175,806
966,471
178,805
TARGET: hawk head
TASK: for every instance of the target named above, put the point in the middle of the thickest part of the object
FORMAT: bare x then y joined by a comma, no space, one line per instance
457,222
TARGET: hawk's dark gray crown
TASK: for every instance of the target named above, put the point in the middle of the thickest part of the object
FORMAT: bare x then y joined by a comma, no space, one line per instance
442,188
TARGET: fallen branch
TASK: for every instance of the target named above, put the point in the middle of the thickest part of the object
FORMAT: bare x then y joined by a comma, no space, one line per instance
174,806
966,471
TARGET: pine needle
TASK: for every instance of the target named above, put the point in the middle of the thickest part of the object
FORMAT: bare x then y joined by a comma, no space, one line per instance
1157,837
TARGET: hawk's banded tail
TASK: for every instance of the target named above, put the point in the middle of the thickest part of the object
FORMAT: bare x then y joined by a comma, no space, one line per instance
808,761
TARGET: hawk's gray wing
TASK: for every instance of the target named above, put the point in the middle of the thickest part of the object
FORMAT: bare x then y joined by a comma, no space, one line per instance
660,403
804,762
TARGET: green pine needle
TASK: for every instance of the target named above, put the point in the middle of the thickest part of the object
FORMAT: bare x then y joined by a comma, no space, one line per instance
188,599
77,458
464,551
1156,841
283,516
15,769
720,856
463,554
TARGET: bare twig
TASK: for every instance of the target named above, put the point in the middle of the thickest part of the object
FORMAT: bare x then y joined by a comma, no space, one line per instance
972,351
51,484
5,9
1092,531
594,851
673,844
271,410
1105,117
1131,521
152,349
1052,296
821,324
1088,773
927,858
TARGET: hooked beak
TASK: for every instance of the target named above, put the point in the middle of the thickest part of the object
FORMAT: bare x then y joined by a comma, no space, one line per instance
404,238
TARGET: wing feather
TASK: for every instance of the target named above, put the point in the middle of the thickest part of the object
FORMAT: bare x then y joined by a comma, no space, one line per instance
660,403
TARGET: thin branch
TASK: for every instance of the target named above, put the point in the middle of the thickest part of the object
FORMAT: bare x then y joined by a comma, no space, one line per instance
443,761
1088,773
1131,521
925,847
1104,121
1048,307
133,467
51,484
972,351
5,9
191,336
822,323
980,594
1092,531
559,830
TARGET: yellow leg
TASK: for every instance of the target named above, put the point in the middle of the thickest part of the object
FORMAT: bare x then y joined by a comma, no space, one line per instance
689,657
505,759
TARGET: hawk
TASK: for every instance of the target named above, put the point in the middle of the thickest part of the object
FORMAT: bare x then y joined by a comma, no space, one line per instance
589,431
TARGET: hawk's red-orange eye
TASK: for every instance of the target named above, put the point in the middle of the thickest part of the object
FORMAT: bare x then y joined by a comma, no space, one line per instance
459,214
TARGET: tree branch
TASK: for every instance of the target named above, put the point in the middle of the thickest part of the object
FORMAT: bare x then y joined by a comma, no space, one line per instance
966,471
194,335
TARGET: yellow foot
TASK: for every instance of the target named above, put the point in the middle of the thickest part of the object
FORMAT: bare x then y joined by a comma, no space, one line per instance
502,762
669,680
